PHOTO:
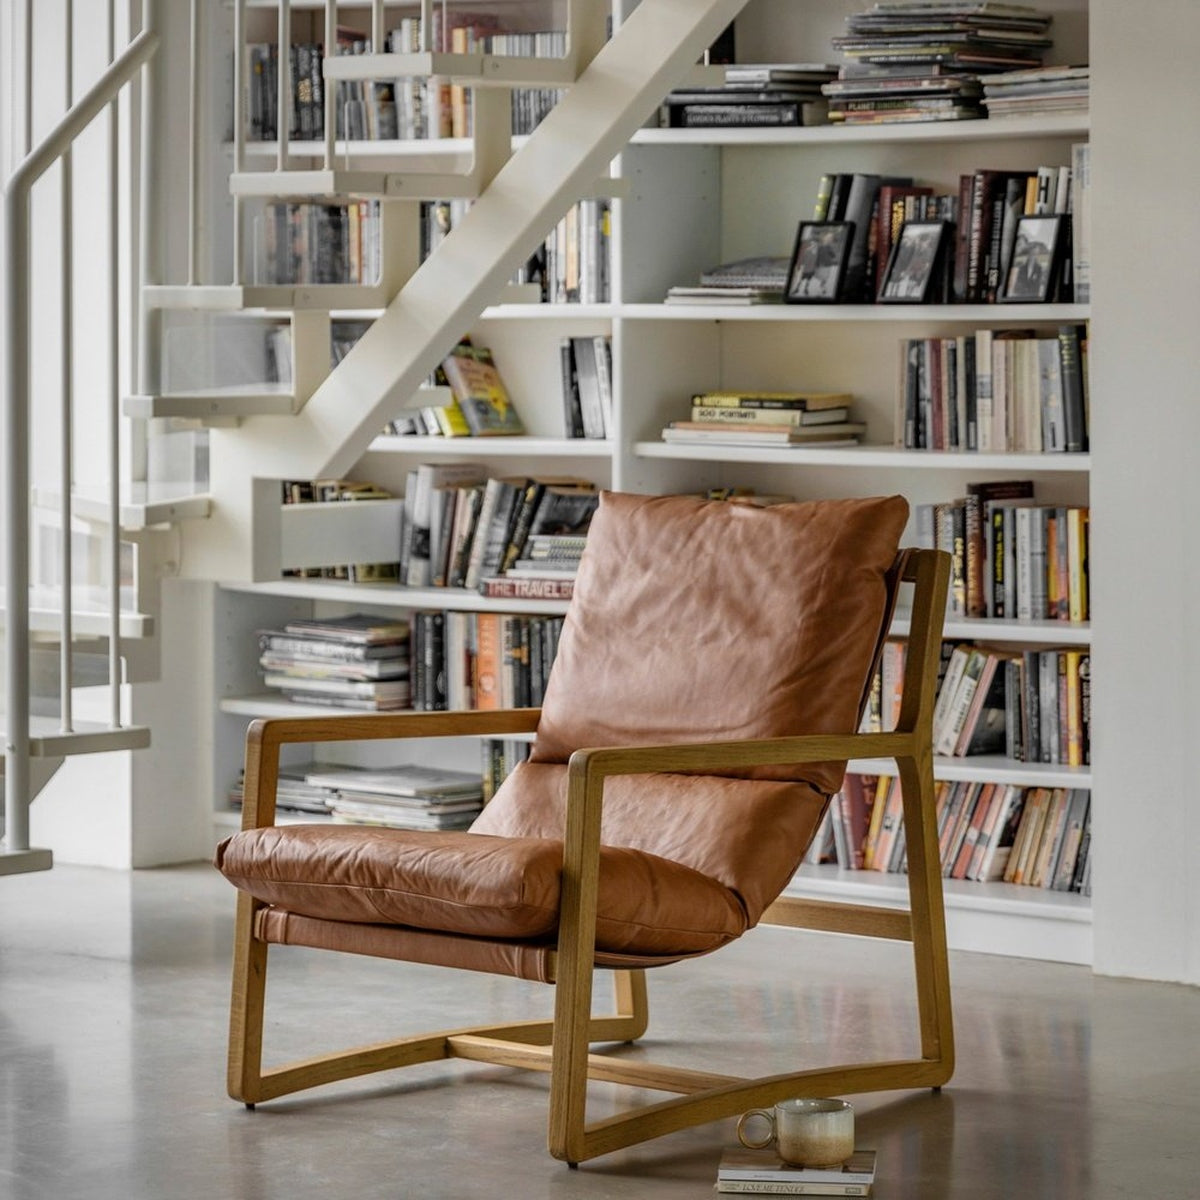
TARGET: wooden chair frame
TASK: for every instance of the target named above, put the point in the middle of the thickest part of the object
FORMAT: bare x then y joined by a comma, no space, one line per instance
561,1046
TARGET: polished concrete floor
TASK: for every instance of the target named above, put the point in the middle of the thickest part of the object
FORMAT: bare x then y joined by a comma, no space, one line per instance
112,1024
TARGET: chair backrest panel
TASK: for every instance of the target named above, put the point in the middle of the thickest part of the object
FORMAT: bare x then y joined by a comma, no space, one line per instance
697,620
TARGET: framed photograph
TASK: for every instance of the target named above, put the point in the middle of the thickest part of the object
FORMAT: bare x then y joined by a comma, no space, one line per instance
916,266
818,262
1033,270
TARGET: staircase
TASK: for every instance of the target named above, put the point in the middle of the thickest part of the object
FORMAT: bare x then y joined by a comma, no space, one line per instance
322,421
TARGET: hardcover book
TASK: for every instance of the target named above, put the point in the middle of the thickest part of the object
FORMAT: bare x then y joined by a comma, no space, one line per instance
479,390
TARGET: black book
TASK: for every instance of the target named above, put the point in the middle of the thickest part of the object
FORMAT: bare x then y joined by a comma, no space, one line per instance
1070,353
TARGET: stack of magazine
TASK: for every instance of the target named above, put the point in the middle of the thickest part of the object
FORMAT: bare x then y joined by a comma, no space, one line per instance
761,1172
1037,93
758,280
404,796
923,61
360,661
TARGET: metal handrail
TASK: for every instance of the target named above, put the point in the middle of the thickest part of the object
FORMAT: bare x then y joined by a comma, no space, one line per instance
16,414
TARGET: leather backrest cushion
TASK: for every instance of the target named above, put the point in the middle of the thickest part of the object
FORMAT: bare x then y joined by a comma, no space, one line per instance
696,620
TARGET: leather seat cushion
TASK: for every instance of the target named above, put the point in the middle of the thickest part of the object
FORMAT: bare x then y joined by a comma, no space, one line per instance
478,885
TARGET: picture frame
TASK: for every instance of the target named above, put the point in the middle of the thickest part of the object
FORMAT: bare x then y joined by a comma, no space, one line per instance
1032,276
916,266
818,264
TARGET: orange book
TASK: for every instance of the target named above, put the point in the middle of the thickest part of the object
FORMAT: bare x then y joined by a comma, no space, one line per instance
488,660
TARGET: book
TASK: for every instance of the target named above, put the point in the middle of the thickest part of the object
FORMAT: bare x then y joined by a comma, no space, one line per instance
841,434
479,391
715,415
425,542
549,586
978,560
804,401
746,1166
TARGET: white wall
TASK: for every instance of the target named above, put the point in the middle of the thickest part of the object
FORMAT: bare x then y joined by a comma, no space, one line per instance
1145,368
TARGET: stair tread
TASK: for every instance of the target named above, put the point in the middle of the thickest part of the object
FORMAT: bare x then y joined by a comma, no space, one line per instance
139,505
47,739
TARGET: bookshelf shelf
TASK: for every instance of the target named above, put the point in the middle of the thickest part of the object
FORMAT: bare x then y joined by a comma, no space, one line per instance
989,768
1004,918
514,447
393,596
922,314
868,457
1022,129
1041,633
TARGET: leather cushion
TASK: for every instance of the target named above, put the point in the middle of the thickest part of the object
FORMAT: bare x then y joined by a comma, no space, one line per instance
474,884
747,834
697,620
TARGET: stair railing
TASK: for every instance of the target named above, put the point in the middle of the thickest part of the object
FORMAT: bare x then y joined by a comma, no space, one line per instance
16,356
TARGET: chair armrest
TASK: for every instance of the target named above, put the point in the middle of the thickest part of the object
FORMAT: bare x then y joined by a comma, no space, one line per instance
603,761
265,736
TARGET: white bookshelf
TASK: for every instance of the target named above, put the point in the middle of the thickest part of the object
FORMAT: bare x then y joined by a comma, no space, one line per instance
696,197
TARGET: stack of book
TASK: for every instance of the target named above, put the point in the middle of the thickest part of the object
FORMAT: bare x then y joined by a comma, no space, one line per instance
763,1172
922,61
1042,91
754,94
359,661
759,280
405,796
750,418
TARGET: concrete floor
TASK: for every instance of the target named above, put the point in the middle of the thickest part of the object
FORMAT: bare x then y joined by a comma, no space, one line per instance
112,1024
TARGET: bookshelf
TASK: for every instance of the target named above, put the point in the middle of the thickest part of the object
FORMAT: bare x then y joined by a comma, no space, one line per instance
697,200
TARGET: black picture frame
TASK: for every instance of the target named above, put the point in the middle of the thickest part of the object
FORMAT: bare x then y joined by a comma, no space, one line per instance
1032,276
818,265
916,266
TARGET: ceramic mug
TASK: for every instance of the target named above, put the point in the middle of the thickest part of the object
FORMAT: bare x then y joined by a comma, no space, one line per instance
806,1132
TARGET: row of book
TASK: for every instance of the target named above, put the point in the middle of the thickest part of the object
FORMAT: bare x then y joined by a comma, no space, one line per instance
975,259
1011,557
484,660
987,832
1013,389
409,107
573,263
500,756
587,386
303,242
1029,704
462,528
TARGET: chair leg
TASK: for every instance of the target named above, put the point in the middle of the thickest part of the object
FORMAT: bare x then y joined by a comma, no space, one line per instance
927,911
246,1006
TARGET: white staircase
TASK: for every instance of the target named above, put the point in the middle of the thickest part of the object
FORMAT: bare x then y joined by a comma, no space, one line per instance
322,421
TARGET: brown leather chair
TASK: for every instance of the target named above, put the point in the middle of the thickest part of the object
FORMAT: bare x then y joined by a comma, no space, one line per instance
710,676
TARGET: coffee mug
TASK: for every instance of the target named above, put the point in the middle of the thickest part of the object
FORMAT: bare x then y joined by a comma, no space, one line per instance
806,1132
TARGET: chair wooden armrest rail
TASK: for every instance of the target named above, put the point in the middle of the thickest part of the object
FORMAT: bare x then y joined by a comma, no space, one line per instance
575,823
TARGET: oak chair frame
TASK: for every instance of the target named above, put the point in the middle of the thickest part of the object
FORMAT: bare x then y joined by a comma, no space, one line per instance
561,1045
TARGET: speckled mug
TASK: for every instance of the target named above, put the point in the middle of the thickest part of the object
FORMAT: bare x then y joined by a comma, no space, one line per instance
806,1132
